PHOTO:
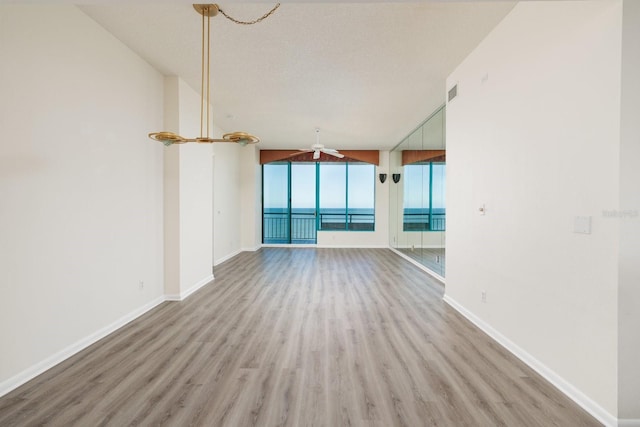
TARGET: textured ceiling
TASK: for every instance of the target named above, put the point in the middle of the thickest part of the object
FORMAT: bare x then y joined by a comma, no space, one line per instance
365,73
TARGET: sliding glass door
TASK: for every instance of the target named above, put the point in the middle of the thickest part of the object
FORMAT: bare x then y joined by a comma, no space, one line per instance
289,203
301,198
303,203
276,215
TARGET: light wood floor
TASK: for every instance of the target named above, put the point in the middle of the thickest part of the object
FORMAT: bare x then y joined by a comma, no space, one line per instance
297,337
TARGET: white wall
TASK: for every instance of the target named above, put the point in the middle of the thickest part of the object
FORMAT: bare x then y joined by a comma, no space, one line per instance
80,186
227,200
171,199
629,267
378,238
251,198
188,196
196,196
534,135
205,195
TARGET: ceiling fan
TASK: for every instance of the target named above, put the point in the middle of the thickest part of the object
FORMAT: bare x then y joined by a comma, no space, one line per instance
318,148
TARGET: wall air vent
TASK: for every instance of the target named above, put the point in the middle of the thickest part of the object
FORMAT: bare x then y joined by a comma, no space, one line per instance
453,92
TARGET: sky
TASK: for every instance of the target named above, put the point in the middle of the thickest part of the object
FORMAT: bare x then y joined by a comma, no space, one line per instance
416,185
333,189
361,188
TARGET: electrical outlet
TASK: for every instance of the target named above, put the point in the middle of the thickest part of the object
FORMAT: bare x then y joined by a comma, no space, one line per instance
484,296
141,284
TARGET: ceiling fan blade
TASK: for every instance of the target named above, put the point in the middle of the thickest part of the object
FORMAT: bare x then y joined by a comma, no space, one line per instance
316,155
332,152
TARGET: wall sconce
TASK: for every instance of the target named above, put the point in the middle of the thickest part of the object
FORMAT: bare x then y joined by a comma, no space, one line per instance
396,177
383,177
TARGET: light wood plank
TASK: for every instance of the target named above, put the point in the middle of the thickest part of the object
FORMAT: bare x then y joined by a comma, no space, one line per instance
297,337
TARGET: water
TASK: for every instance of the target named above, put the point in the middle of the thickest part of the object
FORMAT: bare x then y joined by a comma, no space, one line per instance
324,211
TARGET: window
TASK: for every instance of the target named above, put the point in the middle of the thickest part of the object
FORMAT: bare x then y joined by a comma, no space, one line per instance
275,203
303,203
424,197
333,196
300,198
347,196
360,196
438,218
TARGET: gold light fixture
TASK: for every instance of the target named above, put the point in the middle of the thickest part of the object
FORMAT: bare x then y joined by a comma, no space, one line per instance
242,138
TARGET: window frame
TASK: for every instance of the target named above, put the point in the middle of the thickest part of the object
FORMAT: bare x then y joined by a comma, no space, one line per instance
348,224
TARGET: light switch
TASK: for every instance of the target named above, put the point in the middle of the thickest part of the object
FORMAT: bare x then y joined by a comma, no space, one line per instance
582,225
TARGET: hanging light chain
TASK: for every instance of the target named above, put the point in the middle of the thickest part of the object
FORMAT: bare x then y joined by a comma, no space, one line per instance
203,88
208,70
255,21
206,67
242,138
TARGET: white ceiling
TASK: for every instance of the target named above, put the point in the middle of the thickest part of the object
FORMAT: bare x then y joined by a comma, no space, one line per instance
365,73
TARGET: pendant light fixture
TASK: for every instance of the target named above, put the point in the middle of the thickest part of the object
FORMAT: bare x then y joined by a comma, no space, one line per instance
242,138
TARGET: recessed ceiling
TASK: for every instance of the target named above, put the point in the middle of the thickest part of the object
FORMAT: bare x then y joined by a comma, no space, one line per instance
365,73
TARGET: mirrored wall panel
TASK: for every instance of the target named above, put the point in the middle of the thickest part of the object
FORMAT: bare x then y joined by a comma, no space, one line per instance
417,214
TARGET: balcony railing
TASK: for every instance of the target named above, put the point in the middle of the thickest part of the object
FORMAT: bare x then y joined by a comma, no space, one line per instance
424,222
350,221
276,227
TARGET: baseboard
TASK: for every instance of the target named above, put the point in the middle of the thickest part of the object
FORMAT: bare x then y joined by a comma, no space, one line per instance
289,245
51,361
226,257
352,246
560,383
628,422
417,264
183,295
312,245
420,246
253,249
197,286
